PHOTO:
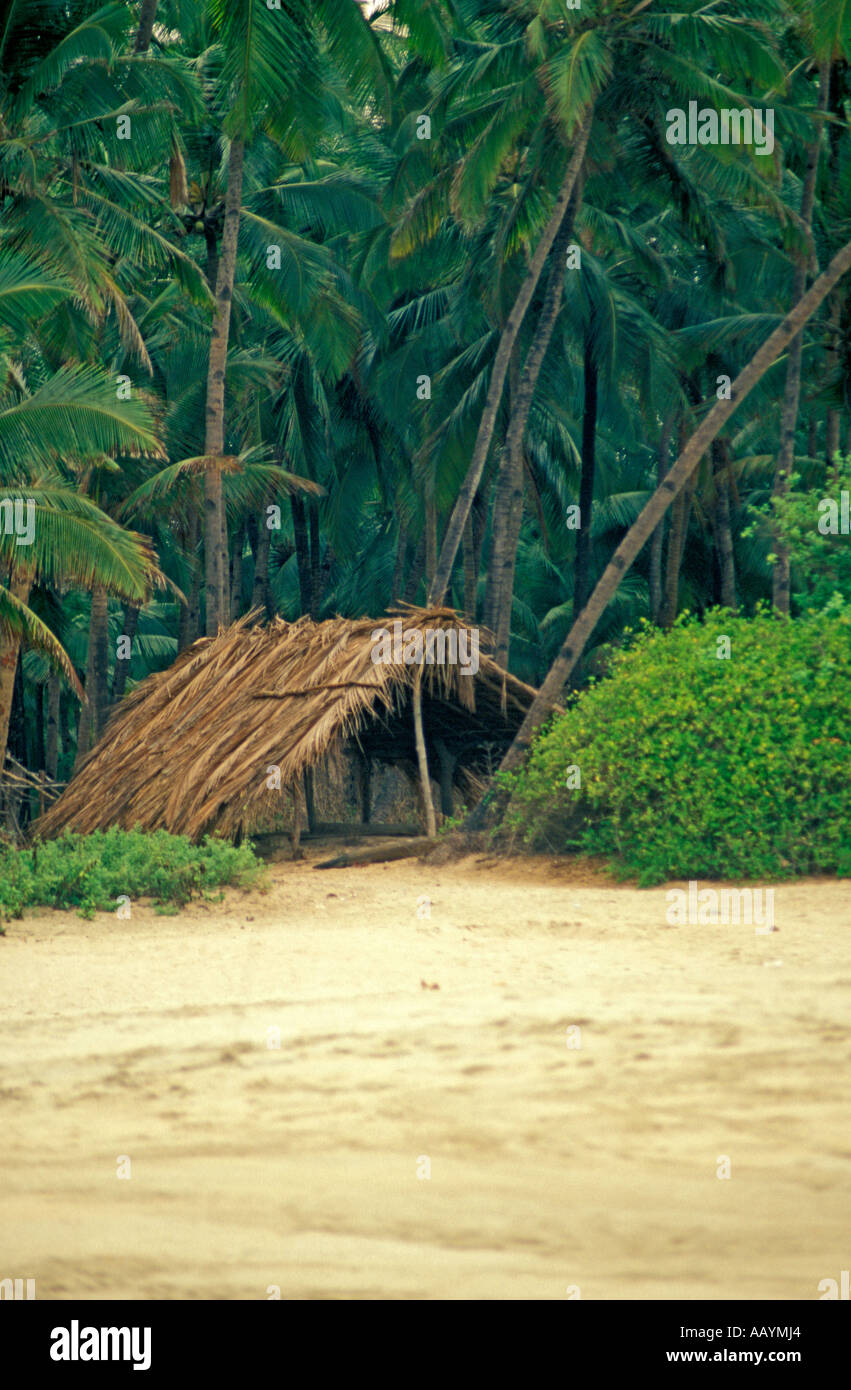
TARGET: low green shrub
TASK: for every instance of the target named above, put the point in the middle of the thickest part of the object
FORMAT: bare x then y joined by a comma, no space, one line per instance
692,764
92,872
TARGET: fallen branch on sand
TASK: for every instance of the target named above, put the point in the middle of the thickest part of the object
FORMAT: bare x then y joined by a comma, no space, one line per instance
377,854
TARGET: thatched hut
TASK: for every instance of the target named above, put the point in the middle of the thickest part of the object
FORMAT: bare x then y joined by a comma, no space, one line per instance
213,743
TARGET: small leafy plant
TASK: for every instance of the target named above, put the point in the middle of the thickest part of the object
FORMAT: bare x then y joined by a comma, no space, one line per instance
92,872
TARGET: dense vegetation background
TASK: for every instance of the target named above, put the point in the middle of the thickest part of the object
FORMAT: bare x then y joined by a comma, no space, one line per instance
262,268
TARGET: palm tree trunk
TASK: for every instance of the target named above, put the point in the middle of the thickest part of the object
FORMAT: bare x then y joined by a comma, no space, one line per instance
723,531
51,752
582,570
508,337
38,731
9,651
509,479
147,18
422,759
262,546
302,553
658,540
315,559
399,567
129,624
680,515
832,419
417,570
508,499
93,710
471,574
189,620
431,535
99,639
812,436
51,742
652,513
216,567
781,578
236,573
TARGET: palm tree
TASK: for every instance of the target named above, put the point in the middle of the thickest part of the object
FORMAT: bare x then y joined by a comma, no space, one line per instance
270,76
73,413
677,478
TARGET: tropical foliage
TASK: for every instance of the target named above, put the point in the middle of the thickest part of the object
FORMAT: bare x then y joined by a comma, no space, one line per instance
312,307
98,872
716,750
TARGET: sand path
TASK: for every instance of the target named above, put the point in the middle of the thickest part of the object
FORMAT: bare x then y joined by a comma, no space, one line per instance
552,1167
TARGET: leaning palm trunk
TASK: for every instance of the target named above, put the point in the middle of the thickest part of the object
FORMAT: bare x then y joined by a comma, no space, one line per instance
508,337
643,527
587,479
508,501
216,566
781,578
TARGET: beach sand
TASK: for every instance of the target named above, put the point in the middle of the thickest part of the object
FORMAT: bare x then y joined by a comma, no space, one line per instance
432,1125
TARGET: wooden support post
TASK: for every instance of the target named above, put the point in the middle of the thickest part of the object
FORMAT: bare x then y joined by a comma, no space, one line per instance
365,776
422,760
308,798
298,818
446,767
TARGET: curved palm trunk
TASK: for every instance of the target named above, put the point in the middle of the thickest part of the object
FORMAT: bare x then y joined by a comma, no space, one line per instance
508,337
508,501
642,528
582,569
781,578
216,564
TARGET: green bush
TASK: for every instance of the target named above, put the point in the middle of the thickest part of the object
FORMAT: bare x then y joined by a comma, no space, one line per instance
691,765
91,872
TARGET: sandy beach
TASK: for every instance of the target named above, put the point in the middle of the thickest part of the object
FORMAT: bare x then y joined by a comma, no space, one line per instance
529,1093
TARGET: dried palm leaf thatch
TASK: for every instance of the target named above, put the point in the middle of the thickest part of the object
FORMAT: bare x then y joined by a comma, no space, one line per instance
191,748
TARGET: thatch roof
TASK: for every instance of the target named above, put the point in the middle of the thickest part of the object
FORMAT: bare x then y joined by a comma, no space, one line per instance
189,748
